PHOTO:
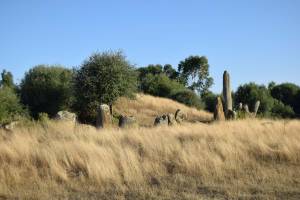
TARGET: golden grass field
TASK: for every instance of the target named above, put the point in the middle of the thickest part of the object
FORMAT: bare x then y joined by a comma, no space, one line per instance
247,159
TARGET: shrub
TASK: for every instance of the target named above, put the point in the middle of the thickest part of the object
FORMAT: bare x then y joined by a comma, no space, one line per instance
10,107
102,78
282,111
287,94
47,89
188,98
210,101
250,93
160,85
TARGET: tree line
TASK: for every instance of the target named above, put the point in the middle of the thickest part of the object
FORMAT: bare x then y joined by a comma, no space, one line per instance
104,77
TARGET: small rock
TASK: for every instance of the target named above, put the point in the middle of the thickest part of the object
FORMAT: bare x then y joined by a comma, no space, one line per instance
10,126
66,116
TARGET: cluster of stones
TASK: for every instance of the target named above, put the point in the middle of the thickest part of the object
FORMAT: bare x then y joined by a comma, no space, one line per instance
170,119
245,109
226,112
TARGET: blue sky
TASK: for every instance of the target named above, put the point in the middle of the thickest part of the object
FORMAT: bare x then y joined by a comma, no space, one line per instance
256,40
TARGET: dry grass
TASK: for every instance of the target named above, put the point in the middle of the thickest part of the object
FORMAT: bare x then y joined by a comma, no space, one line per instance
251,159
145,108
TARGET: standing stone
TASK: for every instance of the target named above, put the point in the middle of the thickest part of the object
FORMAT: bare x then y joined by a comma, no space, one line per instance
171,119
256,107
127,122
219,113
246,109
240,106
103,118
227,92
180,116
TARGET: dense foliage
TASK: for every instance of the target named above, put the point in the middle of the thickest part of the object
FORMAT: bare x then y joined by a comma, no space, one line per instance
188,98
164,82
195,69
10,107
287,93
47,89
6,79
102,78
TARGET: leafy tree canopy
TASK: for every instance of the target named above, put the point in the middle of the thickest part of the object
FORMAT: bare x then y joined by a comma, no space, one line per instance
196,70
6,79
102,78
47,89
10,107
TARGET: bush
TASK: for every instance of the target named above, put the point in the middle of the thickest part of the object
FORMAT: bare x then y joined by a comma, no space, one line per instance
10,107
250,93
280,110
188,98
210,101
160,85
287,94
47,89
102,79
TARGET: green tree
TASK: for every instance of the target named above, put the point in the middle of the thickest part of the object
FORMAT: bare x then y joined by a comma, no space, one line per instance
286,93
170,72
195,69
6,79
102,78
47,89
10,107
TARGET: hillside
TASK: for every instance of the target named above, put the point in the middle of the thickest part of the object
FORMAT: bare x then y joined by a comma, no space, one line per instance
250,159
146,107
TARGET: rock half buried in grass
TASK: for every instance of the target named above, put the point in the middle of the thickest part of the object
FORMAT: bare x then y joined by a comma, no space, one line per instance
127,122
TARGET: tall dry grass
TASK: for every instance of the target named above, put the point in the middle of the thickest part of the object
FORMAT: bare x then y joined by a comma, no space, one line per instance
146,107
251,159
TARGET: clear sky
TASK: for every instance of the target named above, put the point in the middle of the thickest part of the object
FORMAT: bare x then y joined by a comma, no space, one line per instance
257,40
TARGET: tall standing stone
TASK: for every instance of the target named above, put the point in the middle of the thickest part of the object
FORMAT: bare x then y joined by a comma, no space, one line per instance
103,118
219,113
227,92
256,107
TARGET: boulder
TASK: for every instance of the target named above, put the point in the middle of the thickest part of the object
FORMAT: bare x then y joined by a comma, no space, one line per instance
219,112
171,119
180,116
127,122
246,109
161,121
66,116
103,117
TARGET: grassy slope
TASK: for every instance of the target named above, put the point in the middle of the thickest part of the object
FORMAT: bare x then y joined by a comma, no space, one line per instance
145,108
239,159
